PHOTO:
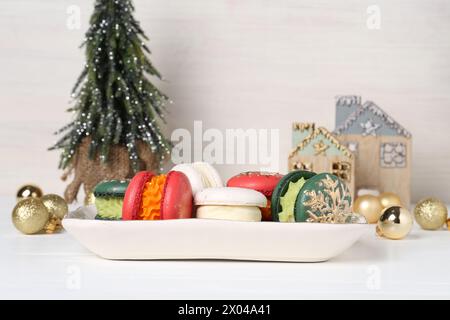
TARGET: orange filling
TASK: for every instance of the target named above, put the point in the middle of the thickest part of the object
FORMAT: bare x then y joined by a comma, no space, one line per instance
151,198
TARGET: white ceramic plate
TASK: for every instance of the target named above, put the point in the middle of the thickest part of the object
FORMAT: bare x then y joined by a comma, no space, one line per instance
211,239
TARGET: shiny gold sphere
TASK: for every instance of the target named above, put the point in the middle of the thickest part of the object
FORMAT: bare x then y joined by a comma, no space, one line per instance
369,206
30,216
389,199
28,191
395,223
56,206
431,214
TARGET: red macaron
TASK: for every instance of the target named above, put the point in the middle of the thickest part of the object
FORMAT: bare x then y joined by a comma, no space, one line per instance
264,182
158,197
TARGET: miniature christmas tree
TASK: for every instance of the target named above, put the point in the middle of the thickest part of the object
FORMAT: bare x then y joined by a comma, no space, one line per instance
117,109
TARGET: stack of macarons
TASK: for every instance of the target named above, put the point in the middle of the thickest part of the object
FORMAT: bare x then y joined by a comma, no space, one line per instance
196,190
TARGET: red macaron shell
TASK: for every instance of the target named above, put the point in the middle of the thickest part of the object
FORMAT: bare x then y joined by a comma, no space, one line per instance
133,196
263,182
177,199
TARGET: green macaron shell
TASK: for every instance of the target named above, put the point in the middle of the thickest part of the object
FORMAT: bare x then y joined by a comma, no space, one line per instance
282,187
111,188
322,194
100,217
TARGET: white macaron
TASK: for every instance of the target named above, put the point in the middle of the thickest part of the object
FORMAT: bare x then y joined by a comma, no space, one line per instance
225,203
227,196
201,175
210,177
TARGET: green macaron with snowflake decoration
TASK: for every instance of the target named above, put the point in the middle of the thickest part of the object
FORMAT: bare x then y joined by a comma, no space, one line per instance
109,196
303,196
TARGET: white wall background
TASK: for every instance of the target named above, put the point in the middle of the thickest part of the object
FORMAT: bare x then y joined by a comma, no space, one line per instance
238,64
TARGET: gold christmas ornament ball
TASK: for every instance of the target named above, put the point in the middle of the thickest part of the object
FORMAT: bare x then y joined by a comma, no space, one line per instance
30,215
389,199
395,223
56,206
369,206
431,214
28,191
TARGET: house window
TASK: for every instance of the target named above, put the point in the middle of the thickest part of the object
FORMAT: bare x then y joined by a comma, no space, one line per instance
342,170
353,146
393,155
305,166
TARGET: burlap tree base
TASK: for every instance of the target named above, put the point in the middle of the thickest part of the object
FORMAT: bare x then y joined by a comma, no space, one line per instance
89,172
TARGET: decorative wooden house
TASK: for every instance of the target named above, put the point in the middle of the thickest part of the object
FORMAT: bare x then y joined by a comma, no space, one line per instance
381,146
316,149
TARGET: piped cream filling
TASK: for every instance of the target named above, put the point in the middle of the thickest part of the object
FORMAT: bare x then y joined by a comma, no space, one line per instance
109,207
235,213
151,198
287,202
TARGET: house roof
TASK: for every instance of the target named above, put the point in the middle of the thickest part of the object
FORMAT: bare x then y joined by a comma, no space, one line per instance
315,132
376,110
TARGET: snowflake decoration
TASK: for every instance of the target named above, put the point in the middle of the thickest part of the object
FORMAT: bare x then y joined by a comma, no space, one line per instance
370,128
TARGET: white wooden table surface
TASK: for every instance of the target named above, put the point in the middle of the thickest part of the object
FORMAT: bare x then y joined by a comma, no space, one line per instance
57,267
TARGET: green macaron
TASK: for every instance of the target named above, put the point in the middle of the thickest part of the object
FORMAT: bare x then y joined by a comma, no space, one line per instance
109,199
321,195
311,197
297,178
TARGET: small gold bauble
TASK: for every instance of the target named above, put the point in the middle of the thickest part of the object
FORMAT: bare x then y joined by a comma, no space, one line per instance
369,206
431,214
56,206
389,199
89,199
28,191
395,223
30,216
